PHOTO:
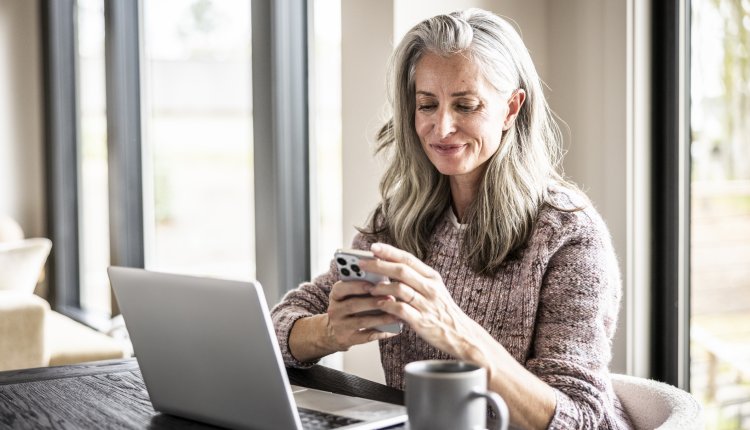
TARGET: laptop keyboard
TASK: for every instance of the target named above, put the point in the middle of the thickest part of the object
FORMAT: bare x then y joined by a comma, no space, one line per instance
313,420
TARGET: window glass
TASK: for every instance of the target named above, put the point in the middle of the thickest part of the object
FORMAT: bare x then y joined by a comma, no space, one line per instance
325,134
720,211
198,137
94,195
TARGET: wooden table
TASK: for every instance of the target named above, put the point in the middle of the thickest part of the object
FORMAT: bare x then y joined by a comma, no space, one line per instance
111,394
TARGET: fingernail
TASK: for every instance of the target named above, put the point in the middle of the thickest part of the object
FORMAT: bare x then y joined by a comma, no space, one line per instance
376,247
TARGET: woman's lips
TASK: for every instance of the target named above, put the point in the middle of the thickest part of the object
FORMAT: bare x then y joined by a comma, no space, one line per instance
447,149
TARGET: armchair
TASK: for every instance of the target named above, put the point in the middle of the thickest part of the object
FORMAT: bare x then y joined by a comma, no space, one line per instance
22,329
31,334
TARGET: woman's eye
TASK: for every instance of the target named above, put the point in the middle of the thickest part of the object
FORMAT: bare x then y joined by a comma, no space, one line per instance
426,107
467,108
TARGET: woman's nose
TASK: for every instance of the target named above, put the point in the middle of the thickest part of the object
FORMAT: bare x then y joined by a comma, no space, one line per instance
444,123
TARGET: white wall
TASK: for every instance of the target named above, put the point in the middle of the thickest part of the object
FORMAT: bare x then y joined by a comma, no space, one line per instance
21,162
366,41
580,50
587,47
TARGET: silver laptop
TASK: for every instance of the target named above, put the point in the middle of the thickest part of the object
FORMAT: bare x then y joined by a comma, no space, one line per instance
207,351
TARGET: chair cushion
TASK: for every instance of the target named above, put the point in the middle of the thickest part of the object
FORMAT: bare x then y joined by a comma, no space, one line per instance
22,318
70,342
655,405
21,263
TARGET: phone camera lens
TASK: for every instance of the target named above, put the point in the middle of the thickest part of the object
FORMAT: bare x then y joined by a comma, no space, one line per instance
345,271
356,268
341,261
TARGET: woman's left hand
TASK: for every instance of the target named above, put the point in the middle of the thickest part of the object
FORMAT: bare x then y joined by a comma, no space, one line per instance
417,296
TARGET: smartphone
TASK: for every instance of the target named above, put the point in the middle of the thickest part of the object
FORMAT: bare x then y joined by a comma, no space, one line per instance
347,261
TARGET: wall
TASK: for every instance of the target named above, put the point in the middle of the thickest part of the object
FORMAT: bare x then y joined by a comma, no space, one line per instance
579,48
21,135
587,47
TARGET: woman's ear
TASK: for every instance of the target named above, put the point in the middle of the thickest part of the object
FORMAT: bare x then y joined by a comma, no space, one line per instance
514,107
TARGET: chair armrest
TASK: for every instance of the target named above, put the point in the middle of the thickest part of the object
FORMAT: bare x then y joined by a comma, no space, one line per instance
22,319
70,342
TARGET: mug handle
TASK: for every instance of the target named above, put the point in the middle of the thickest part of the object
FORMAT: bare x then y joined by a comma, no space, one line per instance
498,404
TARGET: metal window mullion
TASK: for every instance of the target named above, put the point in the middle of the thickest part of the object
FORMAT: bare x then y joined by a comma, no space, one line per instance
280,124
61,143
122,56
671,193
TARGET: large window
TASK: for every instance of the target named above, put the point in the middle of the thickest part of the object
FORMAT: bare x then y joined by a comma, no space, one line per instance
198,137
720,210
155,156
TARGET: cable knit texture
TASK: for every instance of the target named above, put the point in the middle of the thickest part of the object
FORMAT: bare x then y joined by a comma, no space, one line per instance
553,306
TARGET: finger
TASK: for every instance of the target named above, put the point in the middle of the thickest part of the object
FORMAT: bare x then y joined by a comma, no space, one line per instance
352,305
370,321
343,289
391,253
401,291
402,311
368,335
401,272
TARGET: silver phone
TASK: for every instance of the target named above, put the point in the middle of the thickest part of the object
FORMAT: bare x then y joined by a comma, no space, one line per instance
347,261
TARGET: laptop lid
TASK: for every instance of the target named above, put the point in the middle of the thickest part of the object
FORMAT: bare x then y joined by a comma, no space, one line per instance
206,348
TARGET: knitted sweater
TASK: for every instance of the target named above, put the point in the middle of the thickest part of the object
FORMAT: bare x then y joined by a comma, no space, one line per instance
553,306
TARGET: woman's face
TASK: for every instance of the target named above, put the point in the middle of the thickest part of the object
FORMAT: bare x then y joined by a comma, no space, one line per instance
460,117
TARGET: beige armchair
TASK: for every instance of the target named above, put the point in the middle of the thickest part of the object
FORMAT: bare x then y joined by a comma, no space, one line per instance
31,334
22,330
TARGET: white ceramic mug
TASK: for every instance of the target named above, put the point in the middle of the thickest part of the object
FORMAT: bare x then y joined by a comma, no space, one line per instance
450,395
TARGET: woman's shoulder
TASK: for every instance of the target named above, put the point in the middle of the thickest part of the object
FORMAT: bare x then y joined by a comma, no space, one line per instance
571,213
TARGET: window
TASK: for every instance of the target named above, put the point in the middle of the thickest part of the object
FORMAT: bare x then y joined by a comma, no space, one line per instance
198,137
701,154
155,156
325,120
720,210
94,196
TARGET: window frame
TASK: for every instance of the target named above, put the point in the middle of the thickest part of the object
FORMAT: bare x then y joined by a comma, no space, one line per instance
61,135
280,102
670,276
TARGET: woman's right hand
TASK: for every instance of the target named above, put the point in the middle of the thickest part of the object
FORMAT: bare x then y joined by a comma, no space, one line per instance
352,315
343,325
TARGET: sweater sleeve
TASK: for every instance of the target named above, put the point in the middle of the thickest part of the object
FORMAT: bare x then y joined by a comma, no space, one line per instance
308,299
576,318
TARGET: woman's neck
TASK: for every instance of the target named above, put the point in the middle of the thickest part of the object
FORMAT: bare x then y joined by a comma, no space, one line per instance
463,193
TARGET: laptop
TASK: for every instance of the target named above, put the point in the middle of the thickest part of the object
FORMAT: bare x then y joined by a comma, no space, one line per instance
207,351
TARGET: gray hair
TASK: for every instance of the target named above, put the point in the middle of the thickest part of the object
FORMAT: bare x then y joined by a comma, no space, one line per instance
414,195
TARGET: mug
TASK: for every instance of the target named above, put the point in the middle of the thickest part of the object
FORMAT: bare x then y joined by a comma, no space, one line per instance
448,394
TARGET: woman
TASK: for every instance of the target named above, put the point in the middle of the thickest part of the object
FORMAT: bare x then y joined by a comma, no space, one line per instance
494,258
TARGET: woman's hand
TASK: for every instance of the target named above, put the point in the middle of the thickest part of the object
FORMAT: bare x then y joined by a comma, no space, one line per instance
352,314
418,297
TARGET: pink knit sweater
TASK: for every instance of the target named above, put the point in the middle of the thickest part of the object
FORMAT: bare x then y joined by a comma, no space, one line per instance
553,306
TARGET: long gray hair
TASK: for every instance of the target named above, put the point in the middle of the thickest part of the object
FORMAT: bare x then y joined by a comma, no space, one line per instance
414,195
